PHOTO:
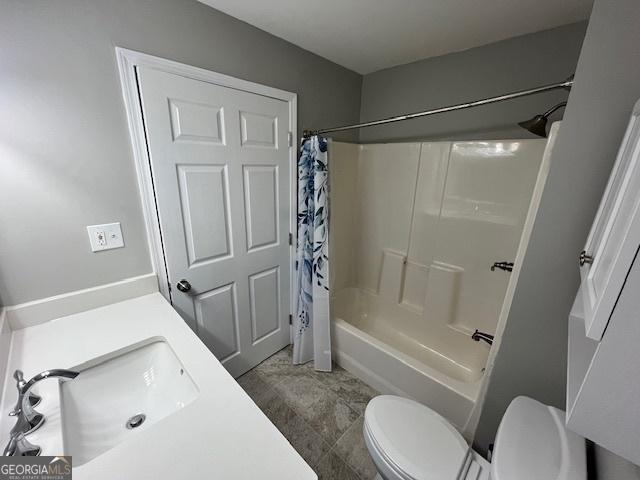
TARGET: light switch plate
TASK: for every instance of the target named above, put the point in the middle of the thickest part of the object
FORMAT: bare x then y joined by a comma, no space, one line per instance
105,236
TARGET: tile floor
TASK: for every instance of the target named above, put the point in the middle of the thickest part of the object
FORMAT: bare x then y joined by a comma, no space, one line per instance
321,414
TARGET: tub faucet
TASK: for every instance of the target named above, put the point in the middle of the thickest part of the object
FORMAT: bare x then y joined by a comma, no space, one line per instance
28,419
478,335
506,266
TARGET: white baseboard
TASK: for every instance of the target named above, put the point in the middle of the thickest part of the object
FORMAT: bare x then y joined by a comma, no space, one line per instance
40,311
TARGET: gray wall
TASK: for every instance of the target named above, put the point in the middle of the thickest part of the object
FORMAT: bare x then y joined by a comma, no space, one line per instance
65,156
532,358
607,466
515,64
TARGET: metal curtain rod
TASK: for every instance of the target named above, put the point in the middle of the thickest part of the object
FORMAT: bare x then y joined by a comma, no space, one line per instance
522,93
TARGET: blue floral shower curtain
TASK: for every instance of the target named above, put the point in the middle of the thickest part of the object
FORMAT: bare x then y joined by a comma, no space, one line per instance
311,323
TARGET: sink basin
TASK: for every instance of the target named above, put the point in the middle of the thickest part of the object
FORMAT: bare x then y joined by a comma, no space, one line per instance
112,401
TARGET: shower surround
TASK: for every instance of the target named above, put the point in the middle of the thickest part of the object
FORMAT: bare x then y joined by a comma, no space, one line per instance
415,228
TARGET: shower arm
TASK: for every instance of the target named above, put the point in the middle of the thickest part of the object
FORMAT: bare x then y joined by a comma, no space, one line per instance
554,108
566,85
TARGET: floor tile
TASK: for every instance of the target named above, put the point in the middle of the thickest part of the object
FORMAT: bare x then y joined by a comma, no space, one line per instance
332,419
332,467
277,367
302,392
277,410
349,388
309,444
352,449
321,414
319,406
265,400
254,385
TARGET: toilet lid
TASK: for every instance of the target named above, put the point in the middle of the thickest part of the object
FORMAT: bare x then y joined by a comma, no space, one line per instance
416,441
533,442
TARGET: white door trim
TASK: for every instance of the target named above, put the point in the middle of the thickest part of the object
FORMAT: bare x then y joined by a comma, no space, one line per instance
128,60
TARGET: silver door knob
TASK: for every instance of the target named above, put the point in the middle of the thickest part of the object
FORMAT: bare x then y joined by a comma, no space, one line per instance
183,286
585,258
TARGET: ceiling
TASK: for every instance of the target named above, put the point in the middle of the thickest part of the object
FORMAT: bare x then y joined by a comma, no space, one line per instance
369,35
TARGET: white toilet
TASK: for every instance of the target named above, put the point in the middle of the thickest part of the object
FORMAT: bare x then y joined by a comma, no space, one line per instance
409,441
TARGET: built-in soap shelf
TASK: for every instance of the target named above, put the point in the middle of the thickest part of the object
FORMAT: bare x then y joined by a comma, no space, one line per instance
431,290
391,275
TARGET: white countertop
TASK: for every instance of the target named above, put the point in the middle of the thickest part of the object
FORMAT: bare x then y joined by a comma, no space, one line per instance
222,434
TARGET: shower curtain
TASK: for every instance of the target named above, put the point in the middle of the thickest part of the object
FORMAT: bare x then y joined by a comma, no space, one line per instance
312,339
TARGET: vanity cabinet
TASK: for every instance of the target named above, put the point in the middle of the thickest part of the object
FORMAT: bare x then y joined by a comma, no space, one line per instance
603,377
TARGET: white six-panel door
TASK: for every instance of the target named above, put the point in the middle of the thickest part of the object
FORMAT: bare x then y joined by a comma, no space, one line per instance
220,167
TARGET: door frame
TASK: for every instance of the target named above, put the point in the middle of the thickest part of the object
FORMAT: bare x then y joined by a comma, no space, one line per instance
127,61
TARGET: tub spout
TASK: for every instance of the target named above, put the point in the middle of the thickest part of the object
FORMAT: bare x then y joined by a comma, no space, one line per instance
478,335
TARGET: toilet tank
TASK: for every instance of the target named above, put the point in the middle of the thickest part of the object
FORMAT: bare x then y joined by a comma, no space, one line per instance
533,444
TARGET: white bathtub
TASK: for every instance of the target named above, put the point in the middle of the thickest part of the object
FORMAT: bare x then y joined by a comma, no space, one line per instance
397,350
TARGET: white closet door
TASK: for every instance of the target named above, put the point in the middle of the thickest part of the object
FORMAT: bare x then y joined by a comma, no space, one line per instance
220,165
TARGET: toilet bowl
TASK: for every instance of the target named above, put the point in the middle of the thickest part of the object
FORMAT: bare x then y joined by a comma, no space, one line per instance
409,441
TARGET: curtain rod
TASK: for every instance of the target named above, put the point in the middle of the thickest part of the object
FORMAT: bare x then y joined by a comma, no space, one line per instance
485,101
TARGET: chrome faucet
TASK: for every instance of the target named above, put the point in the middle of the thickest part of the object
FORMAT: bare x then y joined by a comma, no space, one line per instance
28,419
19,446
33,398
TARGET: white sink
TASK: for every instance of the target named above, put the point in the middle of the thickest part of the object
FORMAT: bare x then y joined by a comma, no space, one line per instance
103,406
